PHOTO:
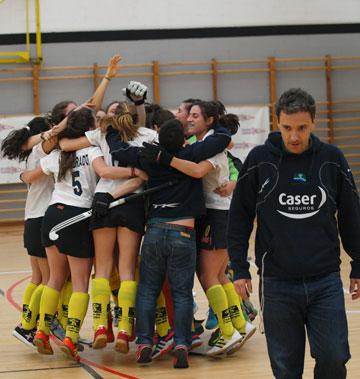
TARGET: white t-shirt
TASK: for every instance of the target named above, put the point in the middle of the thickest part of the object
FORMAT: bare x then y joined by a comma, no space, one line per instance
215,178
97,138
39,192
78,186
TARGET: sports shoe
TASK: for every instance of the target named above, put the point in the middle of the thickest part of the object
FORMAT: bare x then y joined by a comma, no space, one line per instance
109,332
212,321
214,337
249,309
100,337
224,344
42,343
249,330
144,354
199,329
70,349
164,345
56,329
25,336
181,357
122,342
195,340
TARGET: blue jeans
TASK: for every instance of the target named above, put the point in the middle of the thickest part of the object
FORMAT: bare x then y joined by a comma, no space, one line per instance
167,250
317,305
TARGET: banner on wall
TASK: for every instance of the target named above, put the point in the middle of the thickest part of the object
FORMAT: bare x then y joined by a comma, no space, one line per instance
11,169
253,131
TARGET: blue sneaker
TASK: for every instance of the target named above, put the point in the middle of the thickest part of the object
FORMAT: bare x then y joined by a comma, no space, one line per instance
212,321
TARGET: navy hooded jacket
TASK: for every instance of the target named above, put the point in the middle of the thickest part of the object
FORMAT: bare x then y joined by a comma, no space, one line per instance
302,202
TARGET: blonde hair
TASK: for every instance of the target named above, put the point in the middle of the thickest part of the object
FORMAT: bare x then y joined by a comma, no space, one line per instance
124,121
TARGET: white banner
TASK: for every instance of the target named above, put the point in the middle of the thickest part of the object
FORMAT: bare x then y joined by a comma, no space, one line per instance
11,169
253,131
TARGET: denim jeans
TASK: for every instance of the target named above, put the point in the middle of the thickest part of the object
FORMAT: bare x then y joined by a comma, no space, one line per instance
167,250
317,305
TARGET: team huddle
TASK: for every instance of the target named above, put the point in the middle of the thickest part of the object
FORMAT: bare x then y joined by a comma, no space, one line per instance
176,179
138,200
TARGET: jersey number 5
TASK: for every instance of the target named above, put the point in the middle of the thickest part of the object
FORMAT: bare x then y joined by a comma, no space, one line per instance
76,183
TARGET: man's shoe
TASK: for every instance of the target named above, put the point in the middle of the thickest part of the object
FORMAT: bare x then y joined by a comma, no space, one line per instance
144,354
212,321
122,342
42,343
164,345
100,337
248,331
25,336
223,344
70,349
57,330
181,357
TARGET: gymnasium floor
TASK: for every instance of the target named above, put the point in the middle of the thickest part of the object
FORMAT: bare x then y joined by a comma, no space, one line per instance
19,361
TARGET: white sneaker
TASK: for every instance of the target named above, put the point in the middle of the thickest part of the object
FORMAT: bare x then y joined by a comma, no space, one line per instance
250,329
224,344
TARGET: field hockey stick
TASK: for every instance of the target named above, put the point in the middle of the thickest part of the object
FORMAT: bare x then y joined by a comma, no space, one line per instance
53,234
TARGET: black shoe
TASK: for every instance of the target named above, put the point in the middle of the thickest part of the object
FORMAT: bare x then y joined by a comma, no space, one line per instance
181,357
144,354
25,336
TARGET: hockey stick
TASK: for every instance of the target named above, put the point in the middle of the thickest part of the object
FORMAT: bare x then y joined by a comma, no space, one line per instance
53,234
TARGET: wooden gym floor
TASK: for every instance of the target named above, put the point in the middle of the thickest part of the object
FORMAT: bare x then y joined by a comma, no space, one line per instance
20,361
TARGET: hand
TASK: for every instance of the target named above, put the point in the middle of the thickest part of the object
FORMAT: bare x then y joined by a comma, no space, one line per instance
101,204
113,66
355,288
136,92
141,174
226,189
243,288
156,154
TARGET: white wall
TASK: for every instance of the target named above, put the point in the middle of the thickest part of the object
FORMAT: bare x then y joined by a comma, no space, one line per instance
86,15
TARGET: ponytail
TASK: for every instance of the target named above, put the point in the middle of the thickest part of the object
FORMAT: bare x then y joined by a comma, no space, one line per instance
231,122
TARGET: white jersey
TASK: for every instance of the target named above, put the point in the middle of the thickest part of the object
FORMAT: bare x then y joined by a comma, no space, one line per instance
215,178
96,138
78,186
39,192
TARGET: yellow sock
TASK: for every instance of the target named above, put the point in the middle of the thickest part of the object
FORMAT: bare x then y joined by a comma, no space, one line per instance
29,289
236,315
100,297
126,299
48,305
218,302
64,303
29,321
161,319
78,306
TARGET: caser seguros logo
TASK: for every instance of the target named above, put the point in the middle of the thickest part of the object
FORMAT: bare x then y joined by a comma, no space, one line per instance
301,206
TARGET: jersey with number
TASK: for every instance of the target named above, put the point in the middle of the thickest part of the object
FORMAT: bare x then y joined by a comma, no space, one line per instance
215,178
97,138
78,186
39,192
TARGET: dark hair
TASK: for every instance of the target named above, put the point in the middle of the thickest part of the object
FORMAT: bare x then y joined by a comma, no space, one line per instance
109,105
230,122
190,102
11,146
78,123
171,135
150,110
160,116
220,107
296,100
58,113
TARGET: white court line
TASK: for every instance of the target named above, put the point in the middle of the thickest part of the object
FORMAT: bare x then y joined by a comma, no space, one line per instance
14,272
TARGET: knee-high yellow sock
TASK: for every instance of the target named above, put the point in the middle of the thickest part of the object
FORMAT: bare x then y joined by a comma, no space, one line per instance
126,299
161,319
218,302
33,311
64,303
48,305
78,306
100,297
29,290
234,302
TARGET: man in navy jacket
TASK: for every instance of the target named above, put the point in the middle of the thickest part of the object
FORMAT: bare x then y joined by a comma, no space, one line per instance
303,194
